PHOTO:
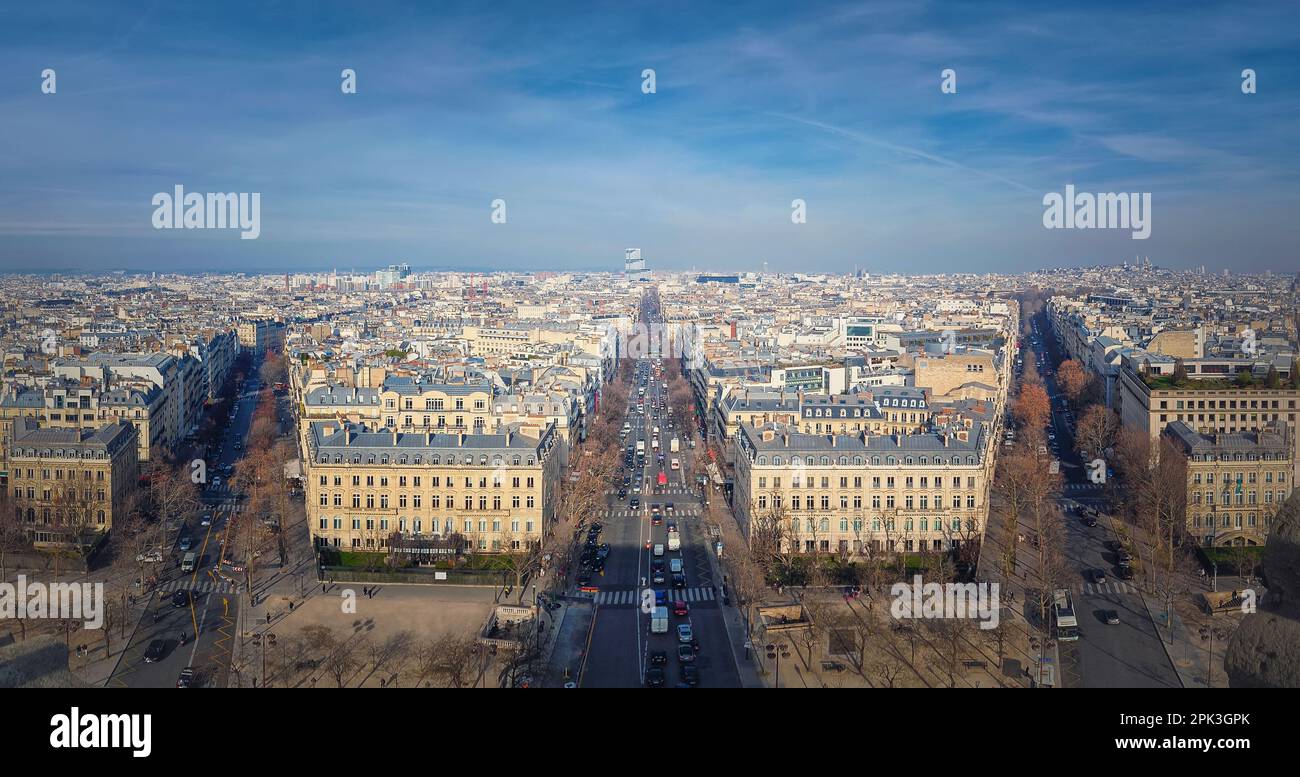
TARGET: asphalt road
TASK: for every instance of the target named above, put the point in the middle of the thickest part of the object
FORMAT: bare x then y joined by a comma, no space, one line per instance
621,641
215,607
1129,655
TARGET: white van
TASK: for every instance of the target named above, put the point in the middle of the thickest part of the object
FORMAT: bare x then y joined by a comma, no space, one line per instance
187,563
659,550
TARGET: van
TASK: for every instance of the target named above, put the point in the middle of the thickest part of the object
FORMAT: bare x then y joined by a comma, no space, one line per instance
675,565
659,621
187,563
674,542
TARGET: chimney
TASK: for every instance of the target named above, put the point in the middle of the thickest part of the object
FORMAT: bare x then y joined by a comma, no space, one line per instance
461,440
394,436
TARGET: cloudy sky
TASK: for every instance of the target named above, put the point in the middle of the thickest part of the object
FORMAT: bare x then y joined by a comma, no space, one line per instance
541,105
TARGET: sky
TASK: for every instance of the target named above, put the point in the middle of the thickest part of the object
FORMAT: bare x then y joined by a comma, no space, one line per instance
542,105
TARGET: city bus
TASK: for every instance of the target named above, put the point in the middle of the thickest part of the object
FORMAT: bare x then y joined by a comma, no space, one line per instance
1067,625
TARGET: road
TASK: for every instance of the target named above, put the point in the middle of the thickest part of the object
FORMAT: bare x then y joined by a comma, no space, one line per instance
1129,655
621,642
215,607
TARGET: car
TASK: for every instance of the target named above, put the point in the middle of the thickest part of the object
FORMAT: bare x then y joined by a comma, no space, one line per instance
1124,556
1098,577
684,633
656,519
680,608
654,677
685,653
155,651
661,598
186,678
182,598
658,657
150,557
1090,521
679,580
206,520
690,675
635,504
659,550
1112,617
669,508
584,578
1124,572
657,576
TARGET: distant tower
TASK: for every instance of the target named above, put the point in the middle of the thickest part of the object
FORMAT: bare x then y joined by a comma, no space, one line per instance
633,264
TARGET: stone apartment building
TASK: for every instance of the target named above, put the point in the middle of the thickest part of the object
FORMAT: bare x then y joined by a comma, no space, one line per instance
491,491
840,493
1208,407
1236,481
70,484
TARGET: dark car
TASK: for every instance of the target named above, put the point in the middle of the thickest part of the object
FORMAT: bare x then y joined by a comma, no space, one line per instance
635,503
622,493
1124,572
1112,617
679,580
584,578
186,678
182,598
680,607
658,657
657,576
690,675
685,653
654,677
1089,521
155,651
1098,576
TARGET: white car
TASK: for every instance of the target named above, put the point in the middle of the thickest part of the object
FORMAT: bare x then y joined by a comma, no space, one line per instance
659,550
207,520
152,557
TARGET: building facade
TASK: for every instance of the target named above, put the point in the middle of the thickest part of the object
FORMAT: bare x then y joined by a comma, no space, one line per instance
1235,481
69,484
366,486
857,493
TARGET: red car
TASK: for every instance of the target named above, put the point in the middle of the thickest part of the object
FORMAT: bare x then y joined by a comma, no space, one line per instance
679,607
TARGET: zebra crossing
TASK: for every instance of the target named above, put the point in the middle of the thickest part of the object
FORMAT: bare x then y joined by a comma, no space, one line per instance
1117,587
202,586
1083,486
630,597
679,512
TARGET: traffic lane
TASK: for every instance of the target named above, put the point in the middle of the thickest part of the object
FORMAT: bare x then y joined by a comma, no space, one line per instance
612,660
171,621
1129,655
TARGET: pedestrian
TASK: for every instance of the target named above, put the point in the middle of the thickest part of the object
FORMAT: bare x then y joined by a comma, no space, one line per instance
290,606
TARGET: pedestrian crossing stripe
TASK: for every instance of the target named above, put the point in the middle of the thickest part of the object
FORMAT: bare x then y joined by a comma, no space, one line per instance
633,596
202,586
1118,587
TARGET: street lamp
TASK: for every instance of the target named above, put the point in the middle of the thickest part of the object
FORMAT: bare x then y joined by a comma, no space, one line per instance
775,651
1208,635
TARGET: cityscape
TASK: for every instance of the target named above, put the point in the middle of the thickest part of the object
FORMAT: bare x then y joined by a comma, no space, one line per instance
646,478
862,346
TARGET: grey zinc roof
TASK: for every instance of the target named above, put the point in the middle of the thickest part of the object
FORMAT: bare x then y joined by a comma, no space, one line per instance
364,440
855,443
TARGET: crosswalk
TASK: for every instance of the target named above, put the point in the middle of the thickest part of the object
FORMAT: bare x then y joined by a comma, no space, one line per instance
202,586
1117,587
1084,486
631,596
693,511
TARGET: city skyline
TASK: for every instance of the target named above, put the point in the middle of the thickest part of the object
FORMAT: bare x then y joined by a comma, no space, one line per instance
841,108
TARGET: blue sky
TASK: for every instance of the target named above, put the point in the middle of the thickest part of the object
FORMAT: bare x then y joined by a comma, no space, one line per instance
540,104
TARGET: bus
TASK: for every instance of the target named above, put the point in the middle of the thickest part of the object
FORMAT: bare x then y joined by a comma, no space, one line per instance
1067,625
